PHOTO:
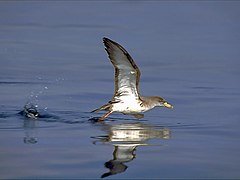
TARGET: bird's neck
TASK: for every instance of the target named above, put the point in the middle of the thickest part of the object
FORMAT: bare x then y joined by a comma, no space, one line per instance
149,101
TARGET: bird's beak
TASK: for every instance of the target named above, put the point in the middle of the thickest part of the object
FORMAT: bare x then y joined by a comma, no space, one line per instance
166,104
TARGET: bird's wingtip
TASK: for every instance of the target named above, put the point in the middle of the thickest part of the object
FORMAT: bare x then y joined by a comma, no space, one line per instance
105,38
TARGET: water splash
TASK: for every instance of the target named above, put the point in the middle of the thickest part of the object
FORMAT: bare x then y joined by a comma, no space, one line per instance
34,96
30,111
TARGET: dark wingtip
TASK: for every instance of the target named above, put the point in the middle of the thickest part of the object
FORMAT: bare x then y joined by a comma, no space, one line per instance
105,39
106,43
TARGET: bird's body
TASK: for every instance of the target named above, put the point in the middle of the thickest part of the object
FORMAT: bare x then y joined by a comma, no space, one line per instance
127,99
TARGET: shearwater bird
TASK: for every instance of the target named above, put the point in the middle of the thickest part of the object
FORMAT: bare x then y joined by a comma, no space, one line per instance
126,98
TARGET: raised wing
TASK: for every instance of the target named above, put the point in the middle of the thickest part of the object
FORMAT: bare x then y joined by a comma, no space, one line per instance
127,74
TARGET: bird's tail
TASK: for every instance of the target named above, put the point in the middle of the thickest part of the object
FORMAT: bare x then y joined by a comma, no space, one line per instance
105,107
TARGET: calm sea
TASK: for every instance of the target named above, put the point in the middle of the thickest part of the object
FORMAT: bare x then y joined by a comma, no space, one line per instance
52,58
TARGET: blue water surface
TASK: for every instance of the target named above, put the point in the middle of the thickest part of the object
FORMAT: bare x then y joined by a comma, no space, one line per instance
52,58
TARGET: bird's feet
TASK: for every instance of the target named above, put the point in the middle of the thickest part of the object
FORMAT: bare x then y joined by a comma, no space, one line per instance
101,119
104,116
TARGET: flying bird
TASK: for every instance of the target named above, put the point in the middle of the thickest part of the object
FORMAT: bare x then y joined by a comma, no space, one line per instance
127,98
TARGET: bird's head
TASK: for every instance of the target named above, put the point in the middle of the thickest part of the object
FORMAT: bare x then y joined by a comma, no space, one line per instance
162,102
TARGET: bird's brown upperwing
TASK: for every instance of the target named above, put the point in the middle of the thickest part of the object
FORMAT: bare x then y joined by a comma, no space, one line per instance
127,74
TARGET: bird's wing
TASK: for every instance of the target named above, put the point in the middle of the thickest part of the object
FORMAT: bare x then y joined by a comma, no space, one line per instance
127,74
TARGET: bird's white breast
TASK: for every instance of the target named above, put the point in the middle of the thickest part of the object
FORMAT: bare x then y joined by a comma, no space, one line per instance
128,105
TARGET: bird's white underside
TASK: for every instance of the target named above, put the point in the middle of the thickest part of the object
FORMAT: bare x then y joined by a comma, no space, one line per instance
128,105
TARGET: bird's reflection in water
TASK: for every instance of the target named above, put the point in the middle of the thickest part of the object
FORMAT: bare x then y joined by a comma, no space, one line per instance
125,139
30,132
